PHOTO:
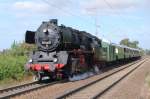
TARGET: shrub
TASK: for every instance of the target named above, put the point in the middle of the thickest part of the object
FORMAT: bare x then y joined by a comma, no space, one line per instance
12,61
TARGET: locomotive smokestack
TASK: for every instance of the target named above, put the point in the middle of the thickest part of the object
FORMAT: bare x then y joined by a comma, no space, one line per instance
54,21
30,37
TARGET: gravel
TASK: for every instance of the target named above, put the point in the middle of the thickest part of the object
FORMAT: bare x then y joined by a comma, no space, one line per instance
132,87
94,89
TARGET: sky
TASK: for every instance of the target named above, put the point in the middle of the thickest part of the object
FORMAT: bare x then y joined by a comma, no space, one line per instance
113,20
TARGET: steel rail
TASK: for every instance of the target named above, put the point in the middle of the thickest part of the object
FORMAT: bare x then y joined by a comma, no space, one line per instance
15,87
25,88
73,91
116,82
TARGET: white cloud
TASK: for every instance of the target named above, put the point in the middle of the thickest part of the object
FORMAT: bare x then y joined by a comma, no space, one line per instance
65,7
107,6
45,7
31,6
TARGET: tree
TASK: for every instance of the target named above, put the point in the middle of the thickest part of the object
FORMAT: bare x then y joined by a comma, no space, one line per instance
124,42
147,52
135,44
127,42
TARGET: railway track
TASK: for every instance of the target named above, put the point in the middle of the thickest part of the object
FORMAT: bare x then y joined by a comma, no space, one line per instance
97,88
22,89
29,87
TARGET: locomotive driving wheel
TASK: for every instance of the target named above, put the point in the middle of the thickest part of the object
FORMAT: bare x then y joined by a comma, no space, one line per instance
77,66
38,77
74,66
73,63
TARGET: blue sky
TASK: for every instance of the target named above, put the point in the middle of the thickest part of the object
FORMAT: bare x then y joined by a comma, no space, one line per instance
117,19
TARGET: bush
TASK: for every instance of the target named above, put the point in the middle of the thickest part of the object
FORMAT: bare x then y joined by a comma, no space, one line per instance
12,61
12,66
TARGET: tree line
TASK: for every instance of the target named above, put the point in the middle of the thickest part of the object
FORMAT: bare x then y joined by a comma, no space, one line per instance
127,42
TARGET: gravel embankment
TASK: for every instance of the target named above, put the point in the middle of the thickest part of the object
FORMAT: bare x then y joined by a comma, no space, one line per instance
132,87
91,91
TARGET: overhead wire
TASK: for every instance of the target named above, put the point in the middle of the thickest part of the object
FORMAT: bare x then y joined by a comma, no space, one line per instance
111,7
68,12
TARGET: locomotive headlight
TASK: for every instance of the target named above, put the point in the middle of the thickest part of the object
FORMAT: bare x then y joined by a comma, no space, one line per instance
30,61
55,60
44,30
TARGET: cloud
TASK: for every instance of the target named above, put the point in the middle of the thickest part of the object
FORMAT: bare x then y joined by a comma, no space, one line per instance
56,8
30,6
107,6
45,7
147,4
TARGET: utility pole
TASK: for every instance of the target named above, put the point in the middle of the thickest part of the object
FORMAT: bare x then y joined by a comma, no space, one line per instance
96,30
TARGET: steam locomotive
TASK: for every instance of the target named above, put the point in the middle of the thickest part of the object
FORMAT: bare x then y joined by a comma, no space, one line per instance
64,52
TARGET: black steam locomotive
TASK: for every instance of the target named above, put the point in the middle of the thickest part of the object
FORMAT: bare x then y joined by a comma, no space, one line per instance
63,51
